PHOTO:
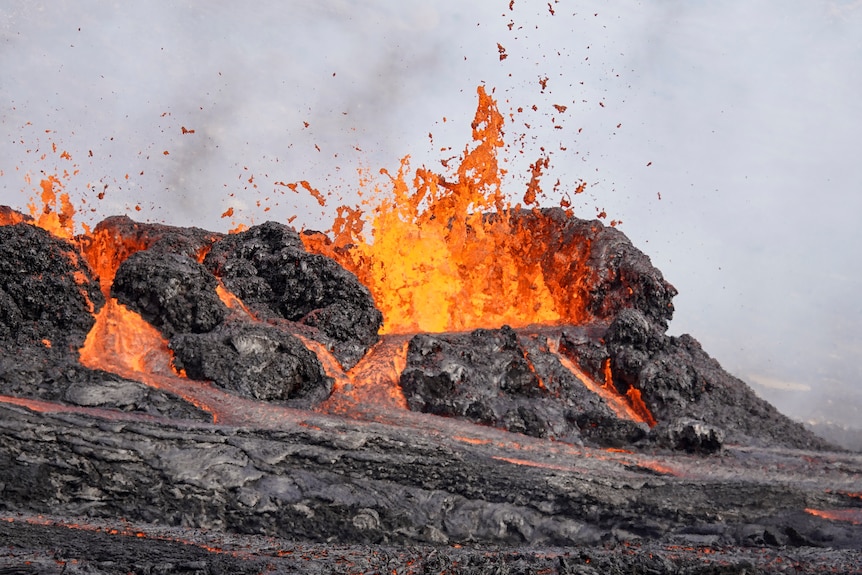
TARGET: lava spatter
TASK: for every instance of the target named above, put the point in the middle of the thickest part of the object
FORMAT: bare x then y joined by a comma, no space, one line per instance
448,252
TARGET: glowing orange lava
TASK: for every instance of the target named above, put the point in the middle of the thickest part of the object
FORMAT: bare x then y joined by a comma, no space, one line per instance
10,218
56,212
105,249
618,403
448,253
122,340
232,301
853,516
371,382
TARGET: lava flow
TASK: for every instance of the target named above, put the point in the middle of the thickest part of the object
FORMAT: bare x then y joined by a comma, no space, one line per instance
629,406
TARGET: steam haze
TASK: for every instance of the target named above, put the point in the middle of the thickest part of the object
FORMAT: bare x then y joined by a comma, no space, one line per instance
724,135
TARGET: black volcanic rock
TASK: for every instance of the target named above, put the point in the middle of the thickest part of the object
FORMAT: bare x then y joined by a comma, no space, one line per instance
268,268
586,263
166,285
48,296
253,360
171,291
47,292
509,380
680,381
123,236
482,376
137,480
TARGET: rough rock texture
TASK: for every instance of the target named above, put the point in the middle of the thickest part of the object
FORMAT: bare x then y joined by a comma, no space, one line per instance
120,237
679,381
268,267
106,475
166,285
47,293
503,379
498,378
47,299
605,272
325,480
254,360
172,292
109,548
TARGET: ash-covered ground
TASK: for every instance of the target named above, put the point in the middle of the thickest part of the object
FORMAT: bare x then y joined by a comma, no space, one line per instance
606,447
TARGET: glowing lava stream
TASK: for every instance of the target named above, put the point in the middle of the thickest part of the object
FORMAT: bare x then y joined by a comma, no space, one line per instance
616,401
371,382
123,343
853,516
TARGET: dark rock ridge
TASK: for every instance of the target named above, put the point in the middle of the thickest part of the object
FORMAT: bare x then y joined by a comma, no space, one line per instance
680,381
47,299
269,269
722,484
607,273
510,380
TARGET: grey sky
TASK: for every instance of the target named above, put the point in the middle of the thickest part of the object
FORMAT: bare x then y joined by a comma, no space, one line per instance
743,116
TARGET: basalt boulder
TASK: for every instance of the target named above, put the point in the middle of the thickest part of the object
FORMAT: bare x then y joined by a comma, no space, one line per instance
171,291
268,268
679,381
48,293
118,237
48,298
254,360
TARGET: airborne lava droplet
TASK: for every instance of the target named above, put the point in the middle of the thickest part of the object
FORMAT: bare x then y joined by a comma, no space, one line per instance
502,52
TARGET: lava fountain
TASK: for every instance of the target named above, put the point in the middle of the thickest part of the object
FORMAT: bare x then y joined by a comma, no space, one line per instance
446,252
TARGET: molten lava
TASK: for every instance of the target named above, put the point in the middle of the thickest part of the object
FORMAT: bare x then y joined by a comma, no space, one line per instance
56,212
853,516
449,253
629,406
372,381
122,340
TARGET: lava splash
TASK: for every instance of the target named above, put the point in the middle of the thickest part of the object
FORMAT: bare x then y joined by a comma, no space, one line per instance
448,252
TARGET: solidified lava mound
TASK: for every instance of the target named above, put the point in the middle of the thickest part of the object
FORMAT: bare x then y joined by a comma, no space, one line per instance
607,446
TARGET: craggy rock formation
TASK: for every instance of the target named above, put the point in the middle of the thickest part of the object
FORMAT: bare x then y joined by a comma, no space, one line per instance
177,295
47,294
173,292
107,475
47,299
609,274
679,381
268,267
511,381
